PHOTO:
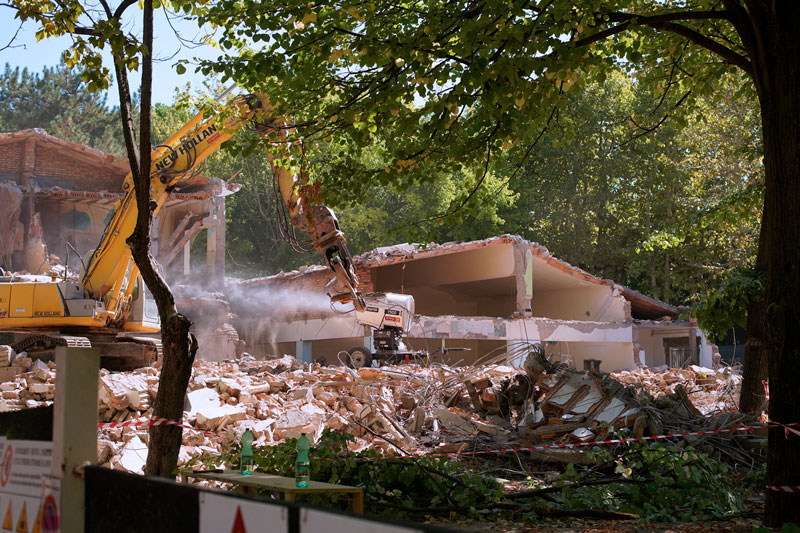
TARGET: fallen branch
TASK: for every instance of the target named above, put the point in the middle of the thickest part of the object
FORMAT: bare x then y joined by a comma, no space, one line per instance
557,488
538,509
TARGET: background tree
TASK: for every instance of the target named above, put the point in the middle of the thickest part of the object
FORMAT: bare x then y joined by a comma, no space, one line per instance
455,83
254,244
669,213
58,101
94,28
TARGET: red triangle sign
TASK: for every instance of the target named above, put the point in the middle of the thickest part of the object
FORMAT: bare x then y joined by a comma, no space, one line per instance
238,522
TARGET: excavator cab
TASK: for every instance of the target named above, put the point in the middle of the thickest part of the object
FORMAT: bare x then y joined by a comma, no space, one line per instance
143,310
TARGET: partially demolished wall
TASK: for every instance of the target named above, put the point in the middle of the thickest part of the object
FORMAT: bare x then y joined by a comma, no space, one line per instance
478,295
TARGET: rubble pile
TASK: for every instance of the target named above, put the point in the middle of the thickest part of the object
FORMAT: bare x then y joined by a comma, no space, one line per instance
24,383
711,390
398,409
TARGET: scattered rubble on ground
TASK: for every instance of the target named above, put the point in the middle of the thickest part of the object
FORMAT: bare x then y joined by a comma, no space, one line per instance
401,409
710,390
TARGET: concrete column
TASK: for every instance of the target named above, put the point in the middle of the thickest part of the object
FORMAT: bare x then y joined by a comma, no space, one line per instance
523,271
187,258
215,243
693,341
154,238
74,428
303,351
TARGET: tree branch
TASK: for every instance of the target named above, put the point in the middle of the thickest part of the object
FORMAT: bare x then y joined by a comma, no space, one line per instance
666,22
538,509
122,7
589,483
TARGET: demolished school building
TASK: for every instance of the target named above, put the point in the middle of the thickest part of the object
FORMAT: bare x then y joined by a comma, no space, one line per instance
485,296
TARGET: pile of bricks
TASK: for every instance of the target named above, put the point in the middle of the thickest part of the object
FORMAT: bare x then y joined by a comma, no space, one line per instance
24,382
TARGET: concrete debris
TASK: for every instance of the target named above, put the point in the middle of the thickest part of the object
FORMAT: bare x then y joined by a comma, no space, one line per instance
404,408
710,390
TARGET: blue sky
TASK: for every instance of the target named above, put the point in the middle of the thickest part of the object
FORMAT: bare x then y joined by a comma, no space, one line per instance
24,51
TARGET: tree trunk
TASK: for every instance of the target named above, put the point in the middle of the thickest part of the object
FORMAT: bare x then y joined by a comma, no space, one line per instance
179,345
774,48
755,369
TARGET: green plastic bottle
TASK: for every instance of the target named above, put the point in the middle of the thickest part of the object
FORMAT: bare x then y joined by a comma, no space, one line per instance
303,465
247,465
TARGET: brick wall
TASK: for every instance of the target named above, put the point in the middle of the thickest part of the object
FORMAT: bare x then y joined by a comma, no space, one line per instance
11,160
58,169
53,165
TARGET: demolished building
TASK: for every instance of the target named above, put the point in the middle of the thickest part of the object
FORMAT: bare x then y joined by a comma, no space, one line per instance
58,197
484,296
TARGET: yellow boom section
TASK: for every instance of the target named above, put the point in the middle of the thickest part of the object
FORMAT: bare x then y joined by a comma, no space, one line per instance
110,271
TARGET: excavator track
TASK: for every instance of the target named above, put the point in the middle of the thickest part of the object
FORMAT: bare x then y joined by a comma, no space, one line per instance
116,352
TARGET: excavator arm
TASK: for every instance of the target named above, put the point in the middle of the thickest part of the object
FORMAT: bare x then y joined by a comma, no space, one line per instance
110,272
317,220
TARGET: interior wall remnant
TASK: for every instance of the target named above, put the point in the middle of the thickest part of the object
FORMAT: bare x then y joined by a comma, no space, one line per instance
651,340
11,200
474,282
613,357
77,223
599,303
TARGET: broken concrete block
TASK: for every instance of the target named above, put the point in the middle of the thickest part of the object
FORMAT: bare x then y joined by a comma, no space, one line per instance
201,399
230,387
10,395
328,398
41,388
7,355
134,399
370,373
22,362
407,402
133,456
215,418
453,421
261,388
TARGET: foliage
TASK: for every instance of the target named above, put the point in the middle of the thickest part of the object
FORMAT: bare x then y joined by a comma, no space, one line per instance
388,484
254,244
660,484
720,308
438,86
656,482
669,213
57,100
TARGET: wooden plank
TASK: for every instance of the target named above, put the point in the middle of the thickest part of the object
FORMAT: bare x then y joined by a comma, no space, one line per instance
171,253
273,482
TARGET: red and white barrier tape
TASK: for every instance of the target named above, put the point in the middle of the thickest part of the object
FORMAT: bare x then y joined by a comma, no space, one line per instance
784,488
555,446
155,421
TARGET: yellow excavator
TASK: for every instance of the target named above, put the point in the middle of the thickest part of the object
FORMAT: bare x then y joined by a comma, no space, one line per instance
109,305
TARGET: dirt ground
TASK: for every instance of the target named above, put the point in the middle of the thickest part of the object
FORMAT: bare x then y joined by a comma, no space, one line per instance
611,526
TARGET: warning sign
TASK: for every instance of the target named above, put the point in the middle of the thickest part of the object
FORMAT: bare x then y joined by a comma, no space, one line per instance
223,514
22,523
24,464
8,521
51,498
